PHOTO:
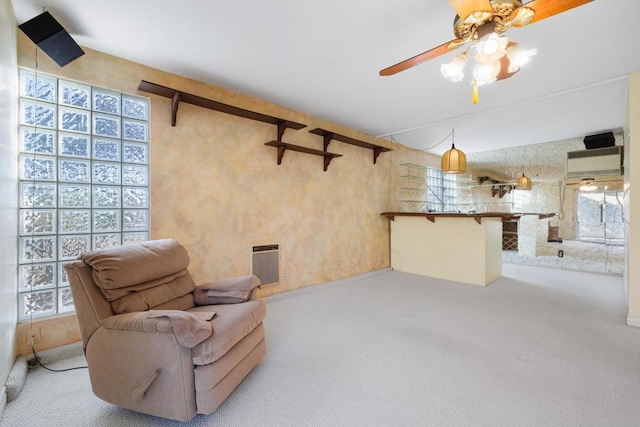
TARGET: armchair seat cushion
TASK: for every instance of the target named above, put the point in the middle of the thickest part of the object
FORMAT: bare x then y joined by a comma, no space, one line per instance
231,324
189,329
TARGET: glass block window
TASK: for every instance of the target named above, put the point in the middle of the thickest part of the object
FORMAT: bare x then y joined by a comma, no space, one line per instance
84,182
442,189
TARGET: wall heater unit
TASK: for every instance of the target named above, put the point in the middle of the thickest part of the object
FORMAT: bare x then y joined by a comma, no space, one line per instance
595,162
266,263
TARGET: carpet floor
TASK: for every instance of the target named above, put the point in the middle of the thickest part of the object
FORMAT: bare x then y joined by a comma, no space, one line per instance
538,347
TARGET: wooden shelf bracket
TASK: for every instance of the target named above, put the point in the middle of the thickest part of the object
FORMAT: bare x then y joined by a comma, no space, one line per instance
175,103
283,125
328,136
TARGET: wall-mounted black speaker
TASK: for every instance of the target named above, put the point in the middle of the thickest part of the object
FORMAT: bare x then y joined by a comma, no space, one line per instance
52,38
600,140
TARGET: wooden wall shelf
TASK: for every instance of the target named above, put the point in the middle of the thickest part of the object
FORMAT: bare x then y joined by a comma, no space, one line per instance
329,136
283,146
178,96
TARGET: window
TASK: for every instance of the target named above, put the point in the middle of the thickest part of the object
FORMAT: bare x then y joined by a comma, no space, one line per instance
441,191
600,217
522,201
84,171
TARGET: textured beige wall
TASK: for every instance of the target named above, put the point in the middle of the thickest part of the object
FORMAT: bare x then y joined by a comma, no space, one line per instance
48,333
217,188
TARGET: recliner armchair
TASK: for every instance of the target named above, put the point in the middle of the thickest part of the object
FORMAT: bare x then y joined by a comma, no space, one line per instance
154,341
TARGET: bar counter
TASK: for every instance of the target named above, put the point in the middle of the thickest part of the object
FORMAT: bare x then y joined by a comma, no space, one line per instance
459,247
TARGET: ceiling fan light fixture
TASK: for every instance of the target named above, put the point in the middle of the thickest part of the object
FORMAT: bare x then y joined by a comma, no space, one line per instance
454,71
588,185
476,19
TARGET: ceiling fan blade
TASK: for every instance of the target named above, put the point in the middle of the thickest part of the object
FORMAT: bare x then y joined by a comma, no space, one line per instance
547,8
423,57
464,8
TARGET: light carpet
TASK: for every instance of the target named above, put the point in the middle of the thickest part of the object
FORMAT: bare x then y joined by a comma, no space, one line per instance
538,347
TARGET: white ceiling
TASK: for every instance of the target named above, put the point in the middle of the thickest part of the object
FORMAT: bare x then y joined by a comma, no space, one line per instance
323,58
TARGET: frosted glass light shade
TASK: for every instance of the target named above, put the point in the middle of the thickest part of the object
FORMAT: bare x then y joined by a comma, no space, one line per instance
454,70
491,48
452,73
519,58
486,73
453,161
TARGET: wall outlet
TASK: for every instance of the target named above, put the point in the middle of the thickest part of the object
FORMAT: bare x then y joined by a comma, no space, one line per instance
560,253
34,336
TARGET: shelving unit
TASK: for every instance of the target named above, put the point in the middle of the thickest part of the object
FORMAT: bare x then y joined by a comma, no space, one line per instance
416,189
178,96
510,236
283,146
329,136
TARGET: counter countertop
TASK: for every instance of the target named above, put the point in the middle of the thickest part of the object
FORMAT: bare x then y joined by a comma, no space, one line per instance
431,216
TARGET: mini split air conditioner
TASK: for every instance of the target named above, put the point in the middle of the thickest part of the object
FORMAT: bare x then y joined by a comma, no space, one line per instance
598,162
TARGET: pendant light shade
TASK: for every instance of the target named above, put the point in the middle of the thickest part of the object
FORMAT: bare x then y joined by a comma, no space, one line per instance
523,183
454,161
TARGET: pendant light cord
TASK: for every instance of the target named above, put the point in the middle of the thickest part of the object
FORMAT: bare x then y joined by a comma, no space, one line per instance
439,143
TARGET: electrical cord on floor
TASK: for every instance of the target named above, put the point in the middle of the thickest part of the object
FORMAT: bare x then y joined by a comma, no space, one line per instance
39,362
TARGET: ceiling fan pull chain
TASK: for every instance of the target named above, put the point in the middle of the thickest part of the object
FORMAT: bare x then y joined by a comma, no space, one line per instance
474,97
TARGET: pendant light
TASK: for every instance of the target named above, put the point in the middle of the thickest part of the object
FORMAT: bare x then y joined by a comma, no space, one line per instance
454,160
587,185
524,182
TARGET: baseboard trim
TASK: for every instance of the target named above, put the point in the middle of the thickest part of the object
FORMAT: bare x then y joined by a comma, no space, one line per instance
320,286
3,400
633,321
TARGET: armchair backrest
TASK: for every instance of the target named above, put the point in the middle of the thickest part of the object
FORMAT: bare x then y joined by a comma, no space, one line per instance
91,307
124,279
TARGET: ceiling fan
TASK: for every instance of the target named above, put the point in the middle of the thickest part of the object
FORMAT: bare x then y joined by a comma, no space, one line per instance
484,21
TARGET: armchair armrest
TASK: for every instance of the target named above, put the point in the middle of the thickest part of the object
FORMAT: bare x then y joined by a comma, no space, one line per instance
226,291
190,329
